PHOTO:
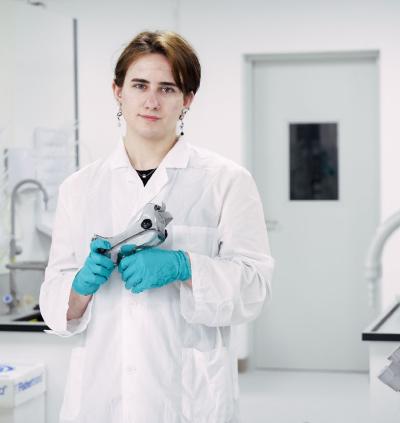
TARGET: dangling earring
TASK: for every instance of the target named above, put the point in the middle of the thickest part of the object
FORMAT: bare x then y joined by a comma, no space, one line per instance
181,125
181,117
119,114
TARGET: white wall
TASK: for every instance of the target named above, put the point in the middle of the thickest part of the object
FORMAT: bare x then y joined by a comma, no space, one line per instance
36,91
234,28
7,44
43,74
36,55
222,32
104,28
7,57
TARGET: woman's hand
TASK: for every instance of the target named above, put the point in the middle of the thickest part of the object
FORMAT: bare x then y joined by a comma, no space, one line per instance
152,268
96,270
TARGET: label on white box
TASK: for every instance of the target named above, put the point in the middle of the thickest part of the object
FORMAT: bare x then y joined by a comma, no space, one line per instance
20,383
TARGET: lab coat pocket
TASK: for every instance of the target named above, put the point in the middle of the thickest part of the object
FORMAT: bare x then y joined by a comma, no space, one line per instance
207,386
73,389
195,239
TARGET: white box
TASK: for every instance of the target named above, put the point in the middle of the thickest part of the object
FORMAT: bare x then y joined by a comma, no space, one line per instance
20,383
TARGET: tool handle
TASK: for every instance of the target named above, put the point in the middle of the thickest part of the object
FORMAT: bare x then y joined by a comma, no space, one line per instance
104,252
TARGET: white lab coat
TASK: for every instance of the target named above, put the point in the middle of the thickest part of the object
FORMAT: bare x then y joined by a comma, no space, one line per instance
166,354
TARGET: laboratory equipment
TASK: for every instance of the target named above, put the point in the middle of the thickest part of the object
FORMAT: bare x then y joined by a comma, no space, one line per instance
11,299
373,267
146,232
390,375
20,382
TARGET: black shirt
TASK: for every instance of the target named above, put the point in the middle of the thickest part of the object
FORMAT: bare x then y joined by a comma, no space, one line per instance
145,175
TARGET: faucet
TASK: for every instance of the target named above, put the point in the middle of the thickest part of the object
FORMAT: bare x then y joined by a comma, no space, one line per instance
14,248
373,267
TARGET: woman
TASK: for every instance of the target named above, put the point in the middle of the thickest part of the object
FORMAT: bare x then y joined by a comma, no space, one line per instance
155,330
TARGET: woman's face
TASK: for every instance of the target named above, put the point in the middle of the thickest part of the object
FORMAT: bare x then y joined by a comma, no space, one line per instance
150,100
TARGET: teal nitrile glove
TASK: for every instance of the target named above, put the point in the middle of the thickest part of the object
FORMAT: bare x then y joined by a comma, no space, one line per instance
96,270
152,268
125,250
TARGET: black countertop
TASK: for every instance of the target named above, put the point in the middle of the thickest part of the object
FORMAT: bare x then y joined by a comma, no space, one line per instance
385,328
26,322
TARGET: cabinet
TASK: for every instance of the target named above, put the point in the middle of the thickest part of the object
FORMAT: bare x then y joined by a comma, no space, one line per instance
383,337
53,351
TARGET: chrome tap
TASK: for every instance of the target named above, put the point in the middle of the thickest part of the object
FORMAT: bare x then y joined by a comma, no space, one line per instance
14,248
373,267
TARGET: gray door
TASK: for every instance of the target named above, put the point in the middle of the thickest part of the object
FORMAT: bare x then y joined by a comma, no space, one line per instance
315,158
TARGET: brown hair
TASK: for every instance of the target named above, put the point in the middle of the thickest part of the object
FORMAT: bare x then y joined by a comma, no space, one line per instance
180,54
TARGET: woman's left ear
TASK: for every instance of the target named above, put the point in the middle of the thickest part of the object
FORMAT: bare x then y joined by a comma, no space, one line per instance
187,101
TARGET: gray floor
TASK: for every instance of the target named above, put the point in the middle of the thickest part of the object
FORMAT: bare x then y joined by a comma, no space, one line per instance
273,396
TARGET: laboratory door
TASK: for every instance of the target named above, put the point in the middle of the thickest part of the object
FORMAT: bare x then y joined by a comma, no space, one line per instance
315,158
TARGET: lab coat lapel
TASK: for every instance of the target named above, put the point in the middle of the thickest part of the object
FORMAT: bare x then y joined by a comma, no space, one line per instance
98,212
154,186
177,157
125,195
129,195
124,189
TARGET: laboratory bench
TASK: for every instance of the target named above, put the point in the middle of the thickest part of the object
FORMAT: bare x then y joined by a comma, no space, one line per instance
23,340
23,321
383,337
